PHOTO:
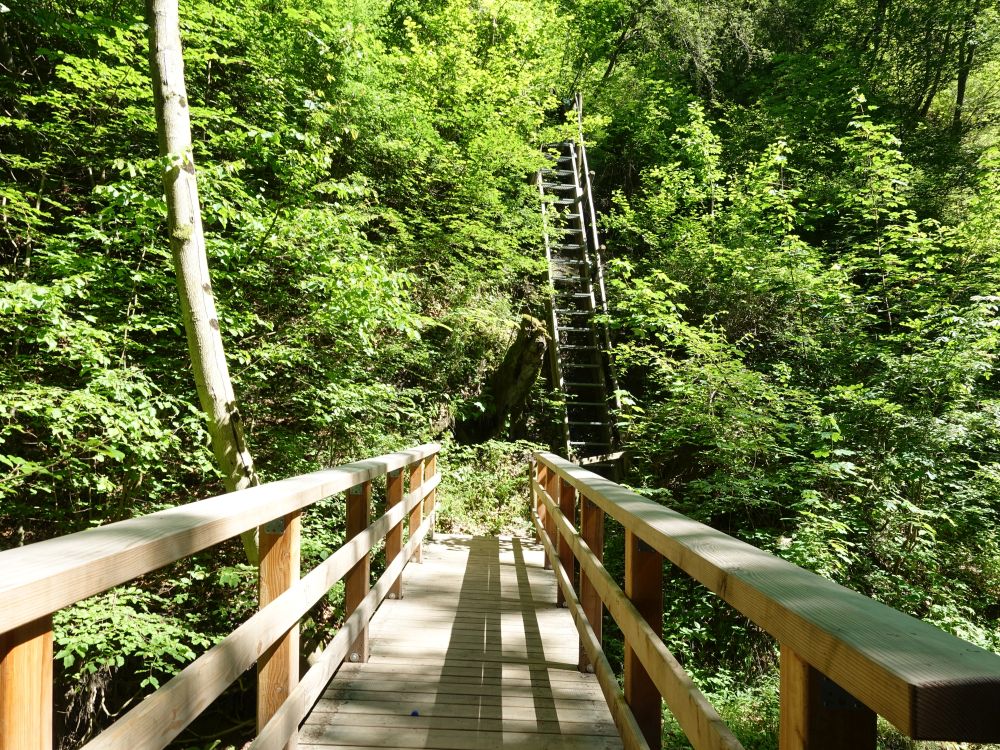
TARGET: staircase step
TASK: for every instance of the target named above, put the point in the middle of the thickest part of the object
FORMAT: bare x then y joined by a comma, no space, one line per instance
579,366
565,295
577,329
588,442
585,403
583,385
567,201
568,246
575,312
588,424
559,172
559,185
587,347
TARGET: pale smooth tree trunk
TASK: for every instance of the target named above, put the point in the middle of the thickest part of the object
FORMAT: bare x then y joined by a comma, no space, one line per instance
187,244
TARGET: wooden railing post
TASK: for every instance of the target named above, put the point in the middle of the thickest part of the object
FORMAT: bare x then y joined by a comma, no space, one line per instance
358,580
394,539
430,471
540,471
816,714
644,587
551,487
26,686
416,513
592,532
532,477
279,568
567,505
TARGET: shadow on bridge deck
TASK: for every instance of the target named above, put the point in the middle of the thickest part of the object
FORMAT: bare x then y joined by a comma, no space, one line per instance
476,655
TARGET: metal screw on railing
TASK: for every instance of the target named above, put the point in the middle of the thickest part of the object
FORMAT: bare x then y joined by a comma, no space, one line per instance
355,657
392,595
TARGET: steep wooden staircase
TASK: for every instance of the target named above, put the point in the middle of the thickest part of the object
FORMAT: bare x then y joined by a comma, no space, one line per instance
579,352
474,647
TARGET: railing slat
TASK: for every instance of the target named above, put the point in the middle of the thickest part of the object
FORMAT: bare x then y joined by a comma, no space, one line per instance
26,686
279,570
815,716
417,513
358,581
567,504
551,485
394,539
592,533
44,577
644,588
430,470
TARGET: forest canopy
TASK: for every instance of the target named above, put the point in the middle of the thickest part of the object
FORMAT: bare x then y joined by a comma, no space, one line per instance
801,205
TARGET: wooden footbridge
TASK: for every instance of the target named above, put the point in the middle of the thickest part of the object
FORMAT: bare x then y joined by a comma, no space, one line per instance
467,648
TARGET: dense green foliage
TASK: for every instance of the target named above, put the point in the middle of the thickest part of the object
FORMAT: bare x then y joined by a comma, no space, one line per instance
801,209
803,213
369,231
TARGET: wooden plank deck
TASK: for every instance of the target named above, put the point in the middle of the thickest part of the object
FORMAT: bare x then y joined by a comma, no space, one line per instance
476,655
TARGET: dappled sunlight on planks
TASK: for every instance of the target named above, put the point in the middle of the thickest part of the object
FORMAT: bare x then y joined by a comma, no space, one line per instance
475,656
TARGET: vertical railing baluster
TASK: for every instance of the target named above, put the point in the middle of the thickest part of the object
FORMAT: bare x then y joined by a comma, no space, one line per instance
532,478
416,513
430,471
279,568
567,505
592,532
644,587
540,477
815,716
26,686
394,539
358,579
552,488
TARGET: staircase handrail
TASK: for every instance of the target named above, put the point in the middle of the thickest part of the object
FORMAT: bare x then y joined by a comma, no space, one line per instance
598,255
555,365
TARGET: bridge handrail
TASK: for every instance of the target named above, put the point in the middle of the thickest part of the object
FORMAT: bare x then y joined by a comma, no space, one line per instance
926,682
44,577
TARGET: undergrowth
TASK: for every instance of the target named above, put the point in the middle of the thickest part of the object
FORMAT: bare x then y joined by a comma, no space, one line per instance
486,491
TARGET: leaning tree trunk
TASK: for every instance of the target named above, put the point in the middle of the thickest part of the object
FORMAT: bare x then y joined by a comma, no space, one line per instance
187,244
966,52
507,390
